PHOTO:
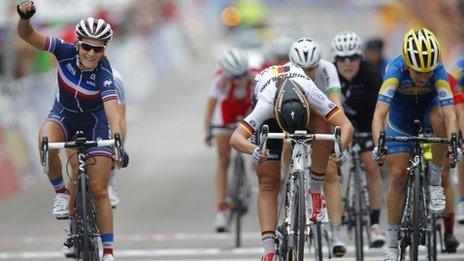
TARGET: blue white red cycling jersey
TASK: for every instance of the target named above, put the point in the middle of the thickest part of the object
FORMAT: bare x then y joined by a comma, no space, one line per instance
80,90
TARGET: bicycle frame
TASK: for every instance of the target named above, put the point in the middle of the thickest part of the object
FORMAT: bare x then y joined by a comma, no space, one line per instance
84,231
292,232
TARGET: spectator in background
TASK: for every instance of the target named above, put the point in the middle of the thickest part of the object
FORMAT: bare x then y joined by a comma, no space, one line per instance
373,53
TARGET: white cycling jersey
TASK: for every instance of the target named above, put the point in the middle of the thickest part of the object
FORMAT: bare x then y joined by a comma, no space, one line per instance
326,78
266,89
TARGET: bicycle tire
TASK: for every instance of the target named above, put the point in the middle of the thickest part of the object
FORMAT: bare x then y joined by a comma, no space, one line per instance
318,241
84,216
405,238
358,212
301,218
432,239
415,219
239,169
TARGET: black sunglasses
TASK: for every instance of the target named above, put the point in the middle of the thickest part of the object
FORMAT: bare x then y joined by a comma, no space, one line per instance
87,47
351,58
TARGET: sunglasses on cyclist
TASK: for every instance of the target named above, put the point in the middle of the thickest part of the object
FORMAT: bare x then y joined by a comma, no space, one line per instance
351,58
96,48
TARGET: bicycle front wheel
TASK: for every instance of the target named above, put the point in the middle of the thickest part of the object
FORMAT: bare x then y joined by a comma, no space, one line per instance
358,215
415,217
299,223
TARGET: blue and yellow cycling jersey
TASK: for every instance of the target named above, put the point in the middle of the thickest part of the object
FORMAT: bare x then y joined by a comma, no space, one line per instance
398,87
80,90
409,101
458,72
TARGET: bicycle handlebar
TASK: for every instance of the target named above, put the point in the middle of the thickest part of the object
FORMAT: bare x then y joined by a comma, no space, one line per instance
418,139
335,137
79,142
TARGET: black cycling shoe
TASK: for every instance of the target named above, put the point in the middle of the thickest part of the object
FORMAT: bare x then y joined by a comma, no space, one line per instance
339,251
451,243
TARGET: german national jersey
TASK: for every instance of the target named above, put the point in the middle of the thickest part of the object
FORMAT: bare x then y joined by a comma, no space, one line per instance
266,89
80,90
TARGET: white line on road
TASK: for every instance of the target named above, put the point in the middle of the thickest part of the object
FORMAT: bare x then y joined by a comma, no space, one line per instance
195,252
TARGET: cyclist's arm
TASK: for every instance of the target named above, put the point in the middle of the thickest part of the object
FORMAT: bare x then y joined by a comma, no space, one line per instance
28,33
336,98
122,114
211,105
239,139
378,122
114,117
334,89
445,96
450,119
338,118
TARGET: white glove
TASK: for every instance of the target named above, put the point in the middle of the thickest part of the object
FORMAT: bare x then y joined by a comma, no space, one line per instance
258,156
375,154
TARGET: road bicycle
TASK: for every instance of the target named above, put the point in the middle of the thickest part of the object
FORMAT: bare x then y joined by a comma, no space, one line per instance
83,230
293,228
356,202
239,192
415,228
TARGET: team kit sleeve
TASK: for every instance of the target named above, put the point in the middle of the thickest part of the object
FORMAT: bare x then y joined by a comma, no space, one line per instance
333,85
214,89
262,111
59,48
444,92
390,82
106,85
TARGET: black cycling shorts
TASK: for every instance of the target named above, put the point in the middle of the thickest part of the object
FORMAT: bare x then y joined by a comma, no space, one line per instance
365,142
274,146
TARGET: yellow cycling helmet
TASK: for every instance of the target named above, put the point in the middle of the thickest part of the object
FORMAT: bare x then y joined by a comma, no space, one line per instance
421,51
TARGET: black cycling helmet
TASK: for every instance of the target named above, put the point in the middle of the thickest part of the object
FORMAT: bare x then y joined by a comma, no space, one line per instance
291,107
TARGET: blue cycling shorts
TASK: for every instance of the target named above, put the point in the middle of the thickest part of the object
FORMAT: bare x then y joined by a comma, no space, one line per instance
94,124
400,122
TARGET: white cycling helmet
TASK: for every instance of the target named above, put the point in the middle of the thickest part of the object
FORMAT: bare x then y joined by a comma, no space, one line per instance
305,53
234,62
347,43
93,28
280,46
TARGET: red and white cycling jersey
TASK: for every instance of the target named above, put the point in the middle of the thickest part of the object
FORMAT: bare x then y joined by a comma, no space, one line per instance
233,101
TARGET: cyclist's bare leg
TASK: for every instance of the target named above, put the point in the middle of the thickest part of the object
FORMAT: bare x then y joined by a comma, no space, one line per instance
397,164
99,168
223,147
446,184
71,183
269,184
321,149
55,133
460,173
374,184
332,193
439,129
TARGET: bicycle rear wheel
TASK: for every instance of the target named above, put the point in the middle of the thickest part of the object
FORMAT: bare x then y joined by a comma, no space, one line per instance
317,234
415,217
358,214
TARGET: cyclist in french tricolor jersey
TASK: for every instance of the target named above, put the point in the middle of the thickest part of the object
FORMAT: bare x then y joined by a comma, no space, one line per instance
86,101
229,100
